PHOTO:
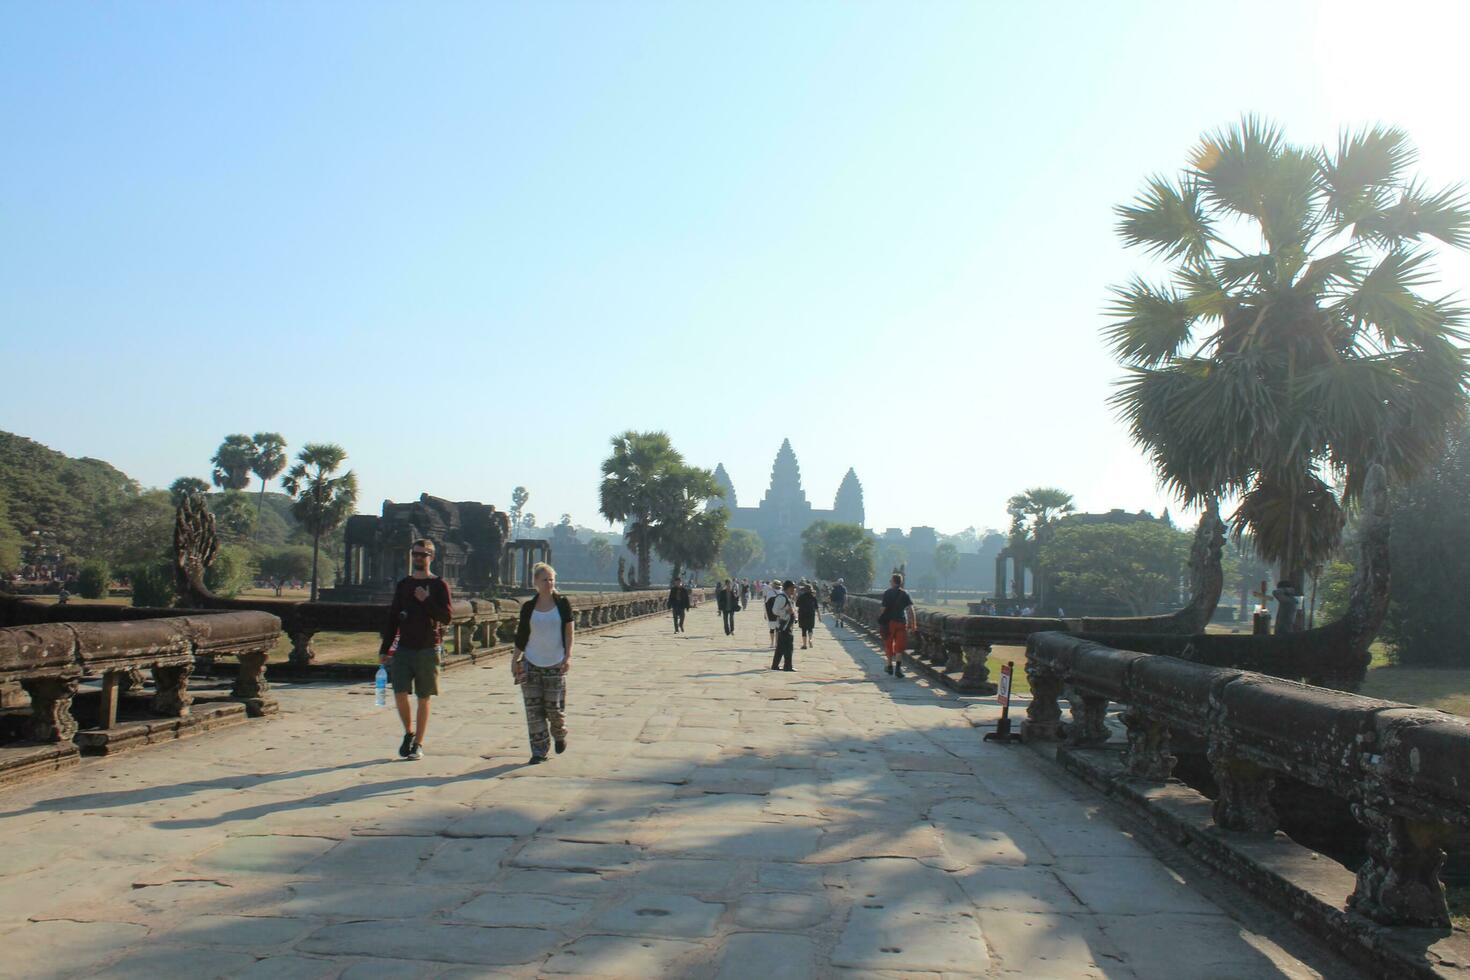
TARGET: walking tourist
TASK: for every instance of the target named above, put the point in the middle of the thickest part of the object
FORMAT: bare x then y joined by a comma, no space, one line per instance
678,603
417,616
543,655
728,599
806,613
783,606
896,619
768,596
839,599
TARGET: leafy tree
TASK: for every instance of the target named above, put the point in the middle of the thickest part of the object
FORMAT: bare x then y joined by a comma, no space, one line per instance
153,584
566,521
93,579
183,487
67,502
742,549
287,564
139,528
635,490
842,551
232,462
232,570
688,535
322,499
600,553
1032,510
267,463
1304,350
528,523
1428,619
518,498
1139,564
1333,585
233,514
11,545
946,561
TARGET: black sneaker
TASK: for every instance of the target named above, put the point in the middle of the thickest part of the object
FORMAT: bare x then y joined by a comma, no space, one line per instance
888,666
415,753
898,670
406,746
536,760
561,746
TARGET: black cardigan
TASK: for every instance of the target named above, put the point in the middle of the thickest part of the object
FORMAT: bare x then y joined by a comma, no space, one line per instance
523,631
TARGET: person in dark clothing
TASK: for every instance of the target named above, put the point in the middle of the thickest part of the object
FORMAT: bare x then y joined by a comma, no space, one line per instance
896,619
417,616
783,609
806,614
839,599
678,603
727,596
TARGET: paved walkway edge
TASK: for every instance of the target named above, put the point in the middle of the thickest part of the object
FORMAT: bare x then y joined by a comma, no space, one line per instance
1296,881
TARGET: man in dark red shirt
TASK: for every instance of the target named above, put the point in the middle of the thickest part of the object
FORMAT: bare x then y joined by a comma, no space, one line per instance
418,615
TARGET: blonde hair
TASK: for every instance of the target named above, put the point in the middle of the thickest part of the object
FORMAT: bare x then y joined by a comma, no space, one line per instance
540,567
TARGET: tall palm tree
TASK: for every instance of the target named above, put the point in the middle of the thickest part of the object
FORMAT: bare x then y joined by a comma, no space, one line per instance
1293,347
322,500
232,462
635,489
184,487
267,463
1032,513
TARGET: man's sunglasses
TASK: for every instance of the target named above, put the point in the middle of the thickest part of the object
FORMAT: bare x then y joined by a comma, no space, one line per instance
422,554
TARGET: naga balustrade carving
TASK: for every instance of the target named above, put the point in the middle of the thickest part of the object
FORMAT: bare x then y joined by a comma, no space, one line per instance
1405,771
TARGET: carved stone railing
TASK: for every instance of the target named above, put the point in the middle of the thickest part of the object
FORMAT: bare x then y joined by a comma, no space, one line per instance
1404,771
49,662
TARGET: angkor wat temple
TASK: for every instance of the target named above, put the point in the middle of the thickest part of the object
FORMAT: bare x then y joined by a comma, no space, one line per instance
784,512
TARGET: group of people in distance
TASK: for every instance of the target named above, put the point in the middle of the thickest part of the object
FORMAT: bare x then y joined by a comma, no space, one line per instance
420,611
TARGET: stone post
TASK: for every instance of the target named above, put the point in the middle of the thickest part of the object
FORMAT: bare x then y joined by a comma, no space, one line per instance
301,652
171,686
1147,756
1043,715
954,658
250,683
1244,798
1399,883
977,672
51,718
1089,719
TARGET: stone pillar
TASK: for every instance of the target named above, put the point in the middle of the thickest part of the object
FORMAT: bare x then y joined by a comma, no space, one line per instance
1244,798
301,652
1043,715
1089,719
1147,756
1000,576
51,718
954,658
1399,883
977,672
250,683
171,686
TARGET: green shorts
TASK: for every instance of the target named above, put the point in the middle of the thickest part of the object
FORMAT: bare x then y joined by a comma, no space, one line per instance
415,672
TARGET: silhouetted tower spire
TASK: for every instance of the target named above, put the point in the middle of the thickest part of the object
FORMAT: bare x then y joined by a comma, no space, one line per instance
848,505
727,488
785,486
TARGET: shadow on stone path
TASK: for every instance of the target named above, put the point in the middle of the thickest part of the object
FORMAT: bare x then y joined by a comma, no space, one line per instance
712,818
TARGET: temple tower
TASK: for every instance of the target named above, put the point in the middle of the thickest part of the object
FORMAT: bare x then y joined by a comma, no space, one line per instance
847,508
727,491
785,489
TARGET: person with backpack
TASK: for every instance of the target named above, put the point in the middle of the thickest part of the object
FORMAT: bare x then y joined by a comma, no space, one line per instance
839,599
768,595
896,619
806,613
783,607
543,655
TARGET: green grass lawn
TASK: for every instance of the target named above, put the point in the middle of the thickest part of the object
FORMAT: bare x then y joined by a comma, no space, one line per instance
1445,688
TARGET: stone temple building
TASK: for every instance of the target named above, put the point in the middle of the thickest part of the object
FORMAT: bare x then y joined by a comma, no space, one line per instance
784,512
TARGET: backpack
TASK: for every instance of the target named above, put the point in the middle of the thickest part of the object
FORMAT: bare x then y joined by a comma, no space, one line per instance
771,608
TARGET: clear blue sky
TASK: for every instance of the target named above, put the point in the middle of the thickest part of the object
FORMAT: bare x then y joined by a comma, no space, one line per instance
471,241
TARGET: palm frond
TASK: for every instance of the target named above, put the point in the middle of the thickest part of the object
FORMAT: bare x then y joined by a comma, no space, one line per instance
1152,323
1384,297
1295,520
1328,272
1356,180
1202,292
1257,270
1418,213
1167,220
1232,164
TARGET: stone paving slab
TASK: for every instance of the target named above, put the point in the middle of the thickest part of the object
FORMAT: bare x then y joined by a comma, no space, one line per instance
711,819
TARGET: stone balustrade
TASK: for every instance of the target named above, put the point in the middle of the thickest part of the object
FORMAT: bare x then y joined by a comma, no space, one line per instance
1404,771
49,661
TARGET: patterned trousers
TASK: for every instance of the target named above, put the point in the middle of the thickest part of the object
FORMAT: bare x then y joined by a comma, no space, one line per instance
545,693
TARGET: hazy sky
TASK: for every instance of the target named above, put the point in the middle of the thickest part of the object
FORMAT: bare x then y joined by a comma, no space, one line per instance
470,242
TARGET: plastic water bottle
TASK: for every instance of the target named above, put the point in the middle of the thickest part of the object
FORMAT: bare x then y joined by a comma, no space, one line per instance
381,684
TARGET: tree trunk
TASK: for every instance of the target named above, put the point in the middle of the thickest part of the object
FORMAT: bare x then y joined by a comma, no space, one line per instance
316,545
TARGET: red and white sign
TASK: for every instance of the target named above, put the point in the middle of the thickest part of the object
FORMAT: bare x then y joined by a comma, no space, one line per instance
1004,693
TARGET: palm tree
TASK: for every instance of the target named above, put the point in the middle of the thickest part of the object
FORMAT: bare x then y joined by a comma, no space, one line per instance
636,486
267,463
321,500
1032,513
688,535
184,487
1295,359
232,462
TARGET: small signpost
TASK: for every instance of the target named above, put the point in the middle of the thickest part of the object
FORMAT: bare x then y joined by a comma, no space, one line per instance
1003,731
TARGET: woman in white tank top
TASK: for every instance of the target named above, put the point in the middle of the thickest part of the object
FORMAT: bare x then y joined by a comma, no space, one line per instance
543,656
